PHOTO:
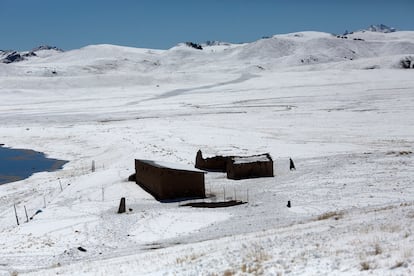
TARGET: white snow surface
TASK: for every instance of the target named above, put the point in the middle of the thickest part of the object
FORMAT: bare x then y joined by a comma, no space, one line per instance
250,159
174,166
342,109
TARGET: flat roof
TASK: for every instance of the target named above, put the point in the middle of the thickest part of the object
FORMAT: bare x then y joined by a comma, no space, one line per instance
251,159
173,166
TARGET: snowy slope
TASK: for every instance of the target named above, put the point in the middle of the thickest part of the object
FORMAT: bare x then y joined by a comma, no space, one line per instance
307,95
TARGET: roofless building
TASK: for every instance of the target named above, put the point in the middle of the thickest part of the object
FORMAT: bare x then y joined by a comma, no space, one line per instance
168,181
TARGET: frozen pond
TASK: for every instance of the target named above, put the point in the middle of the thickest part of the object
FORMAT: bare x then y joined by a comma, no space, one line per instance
18,164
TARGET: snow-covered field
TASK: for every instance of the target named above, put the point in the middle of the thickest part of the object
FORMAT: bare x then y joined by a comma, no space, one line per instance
342,109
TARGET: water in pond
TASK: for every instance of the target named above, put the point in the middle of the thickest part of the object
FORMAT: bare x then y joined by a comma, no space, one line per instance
18,164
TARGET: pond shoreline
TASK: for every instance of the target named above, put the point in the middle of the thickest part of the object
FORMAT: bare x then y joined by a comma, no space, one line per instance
19,164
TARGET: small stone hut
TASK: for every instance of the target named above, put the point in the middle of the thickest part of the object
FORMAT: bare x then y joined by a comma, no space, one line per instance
166,181
237,167
250,166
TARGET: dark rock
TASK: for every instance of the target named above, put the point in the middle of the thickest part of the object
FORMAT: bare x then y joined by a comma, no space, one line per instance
12,57
80,248
30,54
407,63
46,47
381,28
122,208
194,45
291,164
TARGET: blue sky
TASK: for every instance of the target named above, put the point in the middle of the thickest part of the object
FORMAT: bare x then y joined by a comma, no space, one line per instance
161,24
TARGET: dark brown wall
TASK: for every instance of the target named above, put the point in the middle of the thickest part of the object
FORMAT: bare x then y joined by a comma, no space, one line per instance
180,184
165,183
216,163
249,170
235,171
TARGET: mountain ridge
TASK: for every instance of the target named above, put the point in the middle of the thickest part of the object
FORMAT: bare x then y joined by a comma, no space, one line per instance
278,51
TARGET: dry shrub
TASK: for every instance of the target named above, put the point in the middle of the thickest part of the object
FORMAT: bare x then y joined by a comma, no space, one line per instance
257,254
253,260
328,215
228,272
187,258
377,249
410,214
365,265
398,264
390,228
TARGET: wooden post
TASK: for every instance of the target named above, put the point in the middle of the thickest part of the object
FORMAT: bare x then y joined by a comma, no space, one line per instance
15,213
60,183
25,211
93,165
122,207
291,165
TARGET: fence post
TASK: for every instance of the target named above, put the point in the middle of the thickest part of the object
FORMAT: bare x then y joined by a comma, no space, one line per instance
122,207
60,183
93,165
25,211
15,213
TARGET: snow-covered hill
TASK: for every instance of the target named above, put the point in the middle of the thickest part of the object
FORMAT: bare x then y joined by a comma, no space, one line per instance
340,106
279,51
11,56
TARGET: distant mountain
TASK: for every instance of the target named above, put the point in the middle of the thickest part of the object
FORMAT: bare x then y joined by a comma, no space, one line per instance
215,43
381,28
361,49
10,56
46,47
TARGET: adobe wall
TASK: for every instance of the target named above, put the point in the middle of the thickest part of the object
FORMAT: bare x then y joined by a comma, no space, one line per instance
216,163
182,184
166,183
148,177
249,170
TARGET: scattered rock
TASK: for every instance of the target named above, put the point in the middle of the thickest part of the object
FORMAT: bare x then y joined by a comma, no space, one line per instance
122,208
194,45
46,47
407,62
80,248
12,56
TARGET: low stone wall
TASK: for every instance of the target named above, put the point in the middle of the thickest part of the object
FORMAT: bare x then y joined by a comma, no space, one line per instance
167,183
215,164
251,169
